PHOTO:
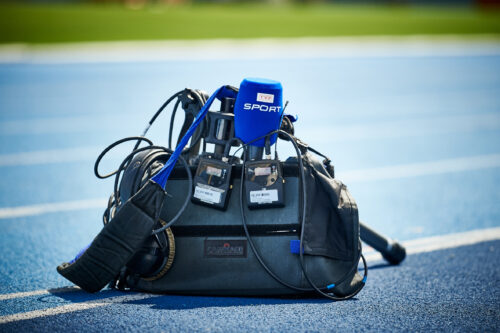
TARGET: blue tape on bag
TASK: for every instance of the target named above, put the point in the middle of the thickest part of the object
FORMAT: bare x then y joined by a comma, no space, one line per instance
295,246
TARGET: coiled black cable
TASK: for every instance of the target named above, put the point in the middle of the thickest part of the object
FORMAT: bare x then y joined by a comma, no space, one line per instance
200,98
139,139
114,200
303,218
172,120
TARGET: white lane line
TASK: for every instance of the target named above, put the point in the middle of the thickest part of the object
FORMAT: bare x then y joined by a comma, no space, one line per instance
435,243
64,155
339,133
276,48
430,125
421,169
364,175
412,247
72,124
38,293
50,156
403,128
74,307
22,211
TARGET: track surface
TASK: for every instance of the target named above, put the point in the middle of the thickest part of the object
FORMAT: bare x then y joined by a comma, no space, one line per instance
438,291
416,139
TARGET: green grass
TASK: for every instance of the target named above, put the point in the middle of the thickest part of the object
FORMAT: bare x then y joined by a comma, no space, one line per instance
51,23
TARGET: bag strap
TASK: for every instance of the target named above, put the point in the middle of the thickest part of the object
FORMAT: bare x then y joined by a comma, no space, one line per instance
327,162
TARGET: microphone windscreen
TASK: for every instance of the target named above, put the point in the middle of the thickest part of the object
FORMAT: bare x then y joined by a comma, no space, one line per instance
258,110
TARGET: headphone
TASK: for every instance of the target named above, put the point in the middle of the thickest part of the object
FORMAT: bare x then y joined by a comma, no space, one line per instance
157,254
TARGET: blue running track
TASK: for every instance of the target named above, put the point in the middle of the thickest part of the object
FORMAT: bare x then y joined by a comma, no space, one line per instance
415,138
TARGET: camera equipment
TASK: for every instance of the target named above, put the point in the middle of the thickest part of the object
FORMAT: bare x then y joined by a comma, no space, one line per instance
309,245
113,247
117,242
212,183
264,180
264,184
221,125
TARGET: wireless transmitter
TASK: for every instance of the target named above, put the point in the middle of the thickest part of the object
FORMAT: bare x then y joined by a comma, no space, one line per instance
212,183
264,184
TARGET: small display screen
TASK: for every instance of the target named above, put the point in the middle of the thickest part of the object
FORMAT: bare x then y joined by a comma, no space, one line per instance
264,174
213,175
214,171
263,171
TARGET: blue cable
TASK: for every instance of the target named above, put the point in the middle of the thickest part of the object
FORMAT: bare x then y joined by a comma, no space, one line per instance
162,176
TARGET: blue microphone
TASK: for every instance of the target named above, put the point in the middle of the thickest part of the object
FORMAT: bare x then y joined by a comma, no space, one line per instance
258,110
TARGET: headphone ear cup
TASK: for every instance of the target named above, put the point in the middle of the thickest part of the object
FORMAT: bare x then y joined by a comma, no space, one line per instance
126,188
156,254
149,259
155,257
155,161
138,171
144,174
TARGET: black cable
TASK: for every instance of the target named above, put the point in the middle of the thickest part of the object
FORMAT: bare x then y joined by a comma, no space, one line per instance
194,141
111,146
157,113
172,120
229,144
190,183
201,101
125,162
267,146
301,249
108,213
114,200
186,201
116,143
303,215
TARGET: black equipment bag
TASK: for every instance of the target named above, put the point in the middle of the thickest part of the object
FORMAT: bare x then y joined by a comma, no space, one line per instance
307,241
214,257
